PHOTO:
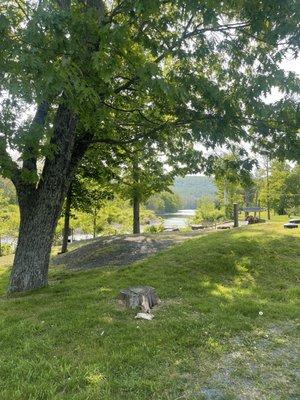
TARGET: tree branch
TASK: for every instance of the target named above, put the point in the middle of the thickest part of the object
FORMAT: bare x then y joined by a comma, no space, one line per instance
39,119
185,35
7,166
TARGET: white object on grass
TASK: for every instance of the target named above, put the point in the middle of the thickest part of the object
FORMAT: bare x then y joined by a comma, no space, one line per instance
142,315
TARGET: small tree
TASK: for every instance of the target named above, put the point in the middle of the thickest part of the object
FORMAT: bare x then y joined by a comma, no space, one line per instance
143,174
279,187
233,180
208,212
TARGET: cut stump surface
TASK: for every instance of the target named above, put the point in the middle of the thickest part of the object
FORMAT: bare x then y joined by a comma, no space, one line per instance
143,297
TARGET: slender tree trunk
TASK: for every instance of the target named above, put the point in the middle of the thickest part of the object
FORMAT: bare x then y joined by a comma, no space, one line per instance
40,206
136,213
94,223
136,195
66,231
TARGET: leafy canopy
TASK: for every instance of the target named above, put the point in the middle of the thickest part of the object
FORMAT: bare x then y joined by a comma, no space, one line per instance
169,72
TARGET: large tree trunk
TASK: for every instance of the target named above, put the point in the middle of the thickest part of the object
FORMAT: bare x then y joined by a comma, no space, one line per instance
37,226
41,206
66,231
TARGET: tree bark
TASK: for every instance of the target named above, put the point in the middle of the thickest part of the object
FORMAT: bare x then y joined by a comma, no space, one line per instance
64,247
94,223
136,214
40,206
136,196
37,225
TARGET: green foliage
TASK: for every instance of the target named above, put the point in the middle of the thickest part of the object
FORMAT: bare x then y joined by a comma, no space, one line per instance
208,212
171,83
9,216
234,182
6,249
154,229
112,217
9,221
281,189
164,202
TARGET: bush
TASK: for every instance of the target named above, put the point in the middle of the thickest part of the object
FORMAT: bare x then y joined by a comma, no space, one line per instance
154,229
6,249
207,212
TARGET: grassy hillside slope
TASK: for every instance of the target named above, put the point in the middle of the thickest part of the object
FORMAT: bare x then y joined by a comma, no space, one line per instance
225,328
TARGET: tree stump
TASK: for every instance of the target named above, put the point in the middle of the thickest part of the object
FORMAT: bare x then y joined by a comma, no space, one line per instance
143,297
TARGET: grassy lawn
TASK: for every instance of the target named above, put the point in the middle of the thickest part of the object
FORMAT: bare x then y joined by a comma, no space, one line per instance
226,327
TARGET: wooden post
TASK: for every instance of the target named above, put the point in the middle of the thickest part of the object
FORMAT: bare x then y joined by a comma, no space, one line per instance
236,215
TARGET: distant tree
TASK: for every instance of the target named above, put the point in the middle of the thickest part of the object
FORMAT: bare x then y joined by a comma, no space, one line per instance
279,187
156,203
91,185
293,192
233,179
208,212
143,174
164,202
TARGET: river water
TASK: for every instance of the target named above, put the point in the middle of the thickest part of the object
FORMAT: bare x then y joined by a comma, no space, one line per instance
180,219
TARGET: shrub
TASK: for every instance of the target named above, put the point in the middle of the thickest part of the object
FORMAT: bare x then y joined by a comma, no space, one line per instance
207,212
6,249
154,229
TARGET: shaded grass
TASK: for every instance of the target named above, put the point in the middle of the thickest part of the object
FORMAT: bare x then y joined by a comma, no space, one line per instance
72,341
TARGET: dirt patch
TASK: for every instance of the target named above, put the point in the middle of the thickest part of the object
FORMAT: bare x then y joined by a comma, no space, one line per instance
119,250
262,366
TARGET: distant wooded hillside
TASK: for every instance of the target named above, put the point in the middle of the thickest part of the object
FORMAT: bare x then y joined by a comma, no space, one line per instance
191,188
